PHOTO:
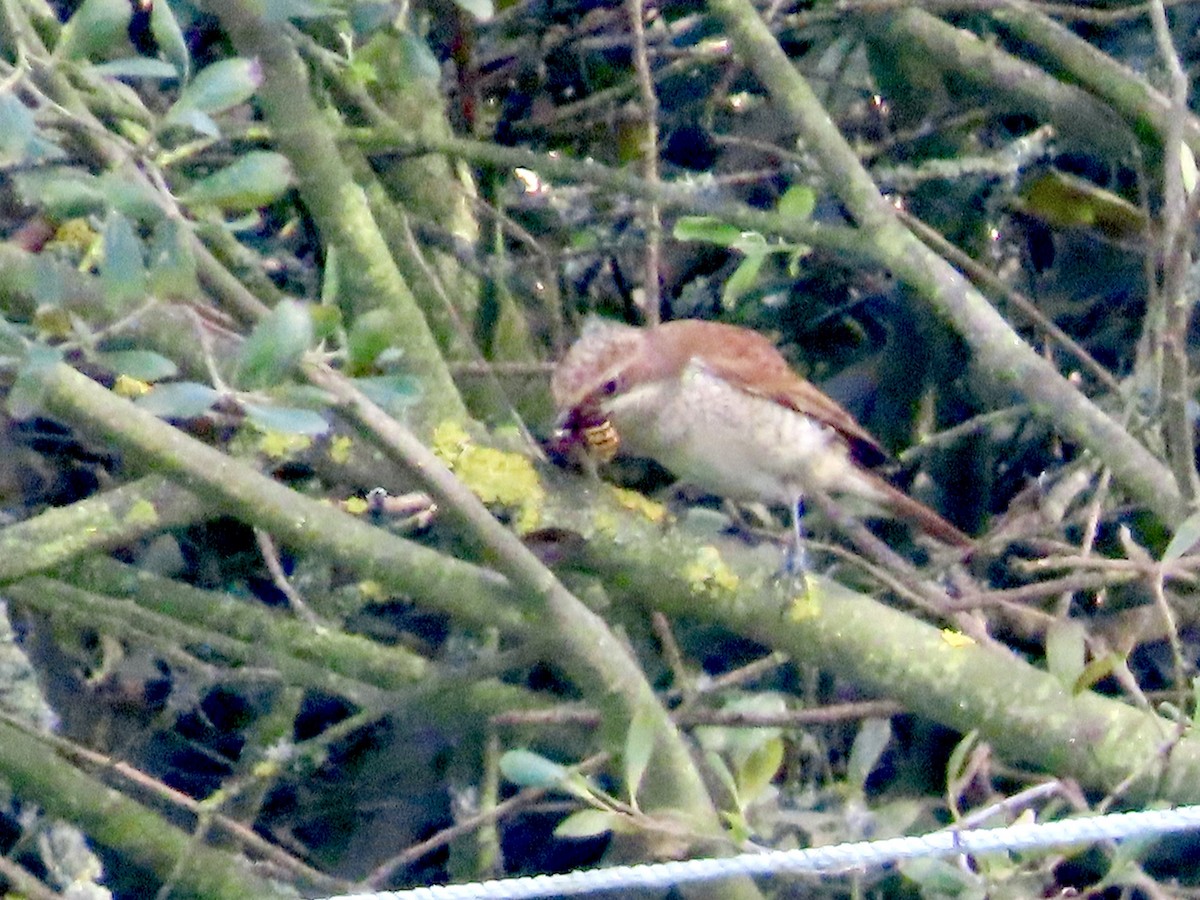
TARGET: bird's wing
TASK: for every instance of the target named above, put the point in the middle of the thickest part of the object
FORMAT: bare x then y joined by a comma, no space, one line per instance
763,378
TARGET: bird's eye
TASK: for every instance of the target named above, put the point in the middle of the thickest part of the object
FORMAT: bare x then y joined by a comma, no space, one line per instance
609,387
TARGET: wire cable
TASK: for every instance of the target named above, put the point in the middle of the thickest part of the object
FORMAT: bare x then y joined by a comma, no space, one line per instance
863,854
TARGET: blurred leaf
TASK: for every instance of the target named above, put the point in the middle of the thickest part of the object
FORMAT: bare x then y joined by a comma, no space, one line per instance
939,878
275,346
957,763
1067,201
751,243
1097,670
759,769
327,320
61,192
53,322
25,397
415,59
1065,651
96,27
179,400
482,10
13,341
708,230
218,87
123,267
798,202
370,334
587,823
172,263
287,10
1186,536
872,739
1187,165
20,141
741,280
137,67
131,196
169,36
639,747
285,419
200,122
144,365
253,180
393,393
525,768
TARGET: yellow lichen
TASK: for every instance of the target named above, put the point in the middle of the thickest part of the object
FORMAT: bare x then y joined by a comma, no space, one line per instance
278,445
605,523
126,386
450,440
495,476
339,449
372,591
356,506
142,513
957,639
709,574
805,605
641,504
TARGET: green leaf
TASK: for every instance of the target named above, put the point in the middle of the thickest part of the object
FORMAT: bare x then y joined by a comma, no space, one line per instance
741,280
1065,651
639,747
287,10
395,394
285,419
708,230
870,742
169,37
218,87
179,400
1097,670
587,823
369,335
956,764
938,878
131,196
253,180
751,243
1068,201
63,193
137,67
798,202
96,27
1186,536
20,141
144,365
275,346
327,321
758,770
26,396
172,263
13,341
482,10
123,267
528,769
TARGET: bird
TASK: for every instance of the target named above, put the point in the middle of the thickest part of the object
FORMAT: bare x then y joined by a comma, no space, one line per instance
722,410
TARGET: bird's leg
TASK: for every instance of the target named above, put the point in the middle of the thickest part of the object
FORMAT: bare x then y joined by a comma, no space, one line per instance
795,561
